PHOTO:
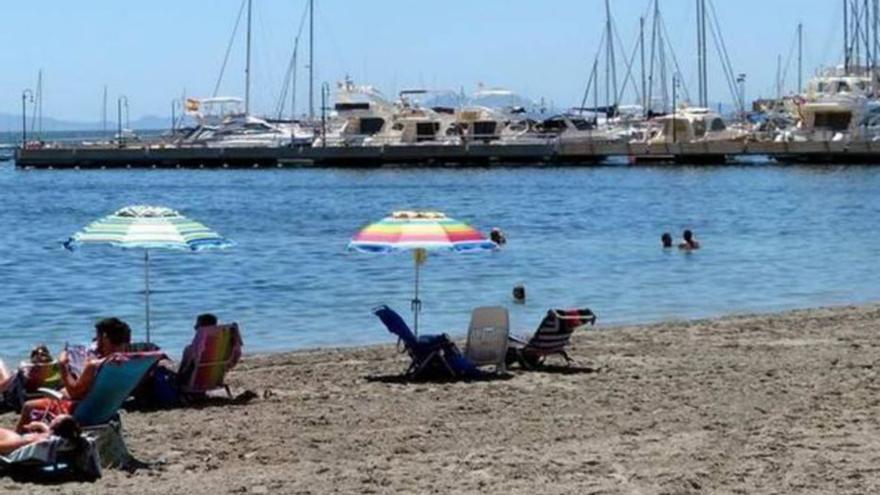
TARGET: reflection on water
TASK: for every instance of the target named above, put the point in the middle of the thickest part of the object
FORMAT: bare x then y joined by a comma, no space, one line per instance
773,237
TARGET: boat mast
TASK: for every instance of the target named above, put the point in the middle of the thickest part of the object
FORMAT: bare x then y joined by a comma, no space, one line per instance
311,59
846,36
800,35
702,56
642,53
247,69
610,66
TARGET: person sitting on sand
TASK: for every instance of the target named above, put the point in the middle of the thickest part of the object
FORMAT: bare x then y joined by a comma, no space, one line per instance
666,240
689,243
186,360
112,335
63,426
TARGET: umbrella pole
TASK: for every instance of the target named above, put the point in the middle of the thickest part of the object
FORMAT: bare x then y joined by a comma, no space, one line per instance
419,258
147,289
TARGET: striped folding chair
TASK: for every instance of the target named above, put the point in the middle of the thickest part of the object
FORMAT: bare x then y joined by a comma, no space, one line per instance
214,351
552,337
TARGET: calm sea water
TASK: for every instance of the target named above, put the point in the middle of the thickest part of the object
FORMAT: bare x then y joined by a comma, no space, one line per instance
774,238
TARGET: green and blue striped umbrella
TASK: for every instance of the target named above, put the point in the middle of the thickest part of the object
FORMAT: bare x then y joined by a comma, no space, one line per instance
148,227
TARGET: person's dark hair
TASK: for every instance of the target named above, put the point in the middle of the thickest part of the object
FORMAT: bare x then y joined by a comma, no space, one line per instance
66,427
206,320
116,330
666,239
688,235
41,355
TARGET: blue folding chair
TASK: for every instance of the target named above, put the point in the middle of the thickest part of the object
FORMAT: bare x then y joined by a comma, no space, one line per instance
116,379
429,353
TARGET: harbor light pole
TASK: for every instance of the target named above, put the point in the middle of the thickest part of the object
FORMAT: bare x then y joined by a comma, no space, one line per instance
325,91
26,95
120,138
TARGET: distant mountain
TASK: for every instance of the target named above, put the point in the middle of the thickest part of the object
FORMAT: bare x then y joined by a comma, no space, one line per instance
12,124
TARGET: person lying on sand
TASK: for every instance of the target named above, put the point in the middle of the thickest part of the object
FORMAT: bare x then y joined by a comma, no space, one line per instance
112,335
63,426
689,243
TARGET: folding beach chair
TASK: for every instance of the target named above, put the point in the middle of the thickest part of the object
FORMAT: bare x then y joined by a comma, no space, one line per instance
487,337
551,338
431,354
213,352
115,380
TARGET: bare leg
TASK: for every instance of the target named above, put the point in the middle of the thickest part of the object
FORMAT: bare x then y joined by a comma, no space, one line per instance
5,377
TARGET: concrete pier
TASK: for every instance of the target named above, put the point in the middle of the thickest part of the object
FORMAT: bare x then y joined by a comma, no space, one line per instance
477,154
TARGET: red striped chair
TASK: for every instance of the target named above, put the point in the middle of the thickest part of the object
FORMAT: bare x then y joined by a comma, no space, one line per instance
552,337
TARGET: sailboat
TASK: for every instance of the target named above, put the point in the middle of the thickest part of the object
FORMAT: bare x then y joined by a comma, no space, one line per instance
227,122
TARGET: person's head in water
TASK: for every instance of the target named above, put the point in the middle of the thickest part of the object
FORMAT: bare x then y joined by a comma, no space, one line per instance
519,293
689,241
205,320
497,236
666,239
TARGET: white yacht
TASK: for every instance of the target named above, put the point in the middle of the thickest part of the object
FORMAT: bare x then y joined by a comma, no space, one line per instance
220,123
839,105
693,124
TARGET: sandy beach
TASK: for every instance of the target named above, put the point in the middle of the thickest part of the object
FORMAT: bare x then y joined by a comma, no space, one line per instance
784,403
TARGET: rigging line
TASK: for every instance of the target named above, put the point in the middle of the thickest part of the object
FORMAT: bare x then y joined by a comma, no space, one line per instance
684,87
629,64
229,48
788,59
592,79
721,46
291,66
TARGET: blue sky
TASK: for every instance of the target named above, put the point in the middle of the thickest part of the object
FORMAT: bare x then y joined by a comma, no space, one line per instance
152,51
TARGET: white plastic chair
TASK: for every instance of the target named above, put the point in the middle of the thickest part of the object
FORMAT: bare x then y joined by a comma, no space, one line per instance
488,336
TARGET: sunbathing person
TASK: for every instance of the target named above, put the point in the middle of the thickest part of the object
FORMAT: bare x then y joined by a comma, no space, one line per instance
112,335
5,377
63,426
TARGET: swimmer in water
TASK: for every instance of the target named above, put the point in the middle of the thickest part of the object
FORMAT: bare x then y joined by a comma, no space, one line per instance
689,243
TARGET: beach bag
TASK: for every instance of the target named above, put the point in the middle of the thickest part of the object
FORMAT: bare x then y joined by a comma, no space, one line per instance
159,390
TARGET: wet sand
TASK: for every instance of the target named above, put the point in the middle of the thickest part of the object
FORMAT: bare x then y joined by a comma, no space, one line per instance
783,403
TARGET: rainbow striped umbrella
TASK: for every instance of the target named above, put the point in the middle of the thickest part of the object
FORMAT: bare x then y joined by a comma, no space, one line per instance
420,232
148,227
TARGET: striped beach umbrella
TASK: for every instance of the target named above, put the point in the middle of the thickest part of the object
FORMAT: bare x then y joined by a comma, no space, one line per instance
419,232
148,227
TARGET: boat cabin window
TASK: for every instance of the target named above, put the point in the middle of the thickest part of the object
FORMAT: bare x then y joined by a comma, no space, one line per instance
351,106
823,87
398,126
554,125
861,85
582,124
843,87
699,128
833,121
717,125
484,128
371,125
425,131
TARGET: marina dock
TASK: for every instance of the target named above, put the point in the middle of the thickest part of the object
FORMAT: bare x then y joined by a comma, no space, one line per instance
476,154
